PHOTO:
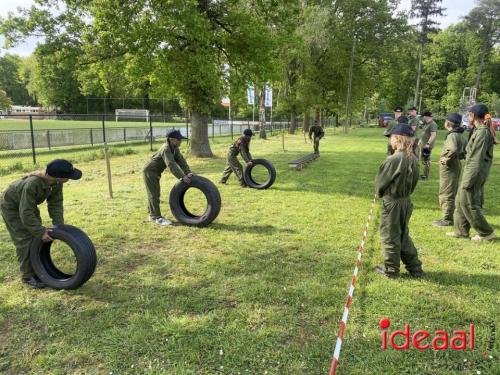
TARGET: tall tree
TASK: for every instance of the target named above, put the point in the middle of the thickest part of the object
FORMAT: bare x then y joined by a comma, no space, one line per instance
5,101
424,10
11,82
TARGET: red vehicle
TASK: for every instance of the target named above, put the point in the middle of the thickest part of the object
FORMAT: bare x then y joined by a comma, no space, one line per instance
384,118
496,123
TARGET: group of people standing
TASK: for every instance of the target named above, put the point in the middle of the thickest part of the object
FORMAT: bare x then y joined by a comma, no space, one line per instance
461,202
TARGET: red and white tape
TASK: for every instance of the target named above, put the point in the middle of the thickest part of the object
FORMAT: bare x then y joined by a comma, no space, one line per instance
343,321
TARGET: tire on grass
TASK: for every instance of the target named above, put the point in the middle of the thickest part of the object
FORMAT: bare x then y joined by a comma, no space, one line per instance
83,249
178,206
247,174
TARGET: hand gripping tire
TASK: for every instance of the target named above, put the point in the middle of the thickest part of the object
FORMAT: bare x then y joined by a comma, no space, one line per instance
80,243
178,207
247,174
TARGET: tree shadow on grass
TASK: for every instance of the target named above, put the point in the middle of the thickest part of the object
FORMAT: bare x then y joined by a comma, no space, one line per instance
261,229
489,281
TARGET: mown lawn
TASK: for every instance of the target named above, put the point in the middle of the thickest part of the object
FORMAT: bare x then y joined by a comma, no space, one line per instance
261,290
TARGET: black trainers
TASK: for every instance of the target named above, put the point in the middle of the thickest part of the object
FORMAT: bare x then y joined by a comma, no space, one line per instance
423,177
417,273
224,182
442,223
34,282
381,271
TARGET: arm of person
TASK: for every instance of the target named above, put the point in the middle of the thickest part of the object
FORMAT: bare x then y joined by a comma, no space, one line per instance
55,206
245,152
472,168
450,149
181,161
386,174
431,138
28,212
171,163
310,132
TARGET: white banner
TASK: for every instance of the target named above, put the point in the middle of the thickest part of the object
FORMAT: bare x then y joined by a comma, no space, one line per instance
251,95
268,98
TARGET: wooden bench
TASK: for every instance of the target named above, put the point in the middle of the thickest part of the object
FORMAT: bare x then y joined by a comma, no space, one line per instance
300,163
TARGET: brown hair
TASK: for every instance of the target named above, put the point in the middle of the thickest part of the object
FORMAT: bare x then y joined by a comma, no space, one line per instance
491,128
405,144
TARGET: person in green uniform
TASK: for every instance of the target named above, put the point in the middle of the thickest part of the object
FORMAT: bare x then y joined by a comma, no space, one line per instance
390,125
395,182
21,215
168,156
479,158
240,146
414,123
427,142
449,169
318,134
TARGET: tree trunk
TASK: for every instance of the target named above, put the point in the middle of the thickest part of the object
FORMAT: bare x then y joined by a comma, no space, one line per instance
305,122
262,116
317,116
481,65
199,145
419,73
293,121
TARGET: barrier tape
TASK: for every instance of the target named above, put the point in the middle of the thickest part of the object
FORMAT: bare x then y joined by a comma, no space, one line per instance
343,321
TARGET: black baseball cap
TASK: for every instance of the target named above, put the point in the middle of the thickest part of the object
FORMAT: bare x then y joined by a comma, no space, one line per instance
402,129
398,109
61,168
454,117
479,110
248,132
412,108
175,134
427,113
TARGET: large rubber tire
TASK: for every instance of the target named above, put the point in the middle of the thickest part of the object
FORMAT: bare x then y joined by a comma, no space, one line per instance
83,249
178,207
247,174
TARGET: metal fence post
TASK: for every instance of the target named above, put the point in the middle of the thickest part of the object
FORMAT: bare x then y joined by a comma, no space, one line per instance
48,138
187,126
32,139
106,157
213,129
125,135
91,138
150,134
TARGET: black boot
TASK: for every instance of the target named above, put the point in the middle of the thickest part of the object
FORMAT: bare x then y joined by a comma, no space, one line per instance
381,271
34,282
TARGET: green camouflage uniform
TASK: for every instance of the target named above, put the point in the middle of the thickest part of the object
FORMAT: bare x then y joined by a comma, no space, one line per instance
318,134
241,146
394,184
22,216
426,160
390,125
414,122
479,158
167,156
449,173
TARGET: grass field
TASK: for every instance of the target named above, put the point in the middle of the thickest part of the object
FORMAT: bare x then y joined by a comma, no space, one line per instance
261,290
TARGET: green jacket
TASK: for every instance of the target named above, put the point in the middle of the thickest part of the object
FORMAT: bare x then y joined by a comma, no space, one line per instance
317,131
454,148
242,146
23,196
479,158
428,129
413,121
171,157
393,179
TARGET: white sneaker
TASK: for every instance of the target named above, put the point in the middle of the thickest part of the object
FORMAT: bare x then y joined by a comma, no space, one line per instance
477,237
162,221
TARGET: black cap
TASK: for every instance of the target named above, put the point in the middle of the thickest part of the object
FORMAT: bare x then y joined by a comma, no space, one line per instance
412,108
479,109
454,117
398,109
175,134
248,132
427,113
402,129
61,168
403,120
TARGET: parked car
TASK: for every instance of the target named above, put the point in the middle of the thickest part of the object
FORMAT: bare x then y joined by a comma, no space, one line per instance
384,118
496,123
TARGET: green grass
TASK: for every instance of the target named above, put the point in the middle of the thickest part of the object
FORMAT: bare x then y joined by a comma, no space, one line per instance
261,290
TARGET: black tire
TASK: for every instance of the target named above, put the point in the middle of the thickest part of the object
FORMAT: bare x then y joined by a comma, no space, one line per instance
247,174
83,249
178,207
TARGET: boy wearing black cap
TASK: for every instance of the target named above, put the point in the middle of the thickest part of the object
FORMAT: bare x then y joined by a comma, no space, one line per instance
427,142
396,180
168,156
390,126
241,146
318,134
479,158
449,168
18,205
